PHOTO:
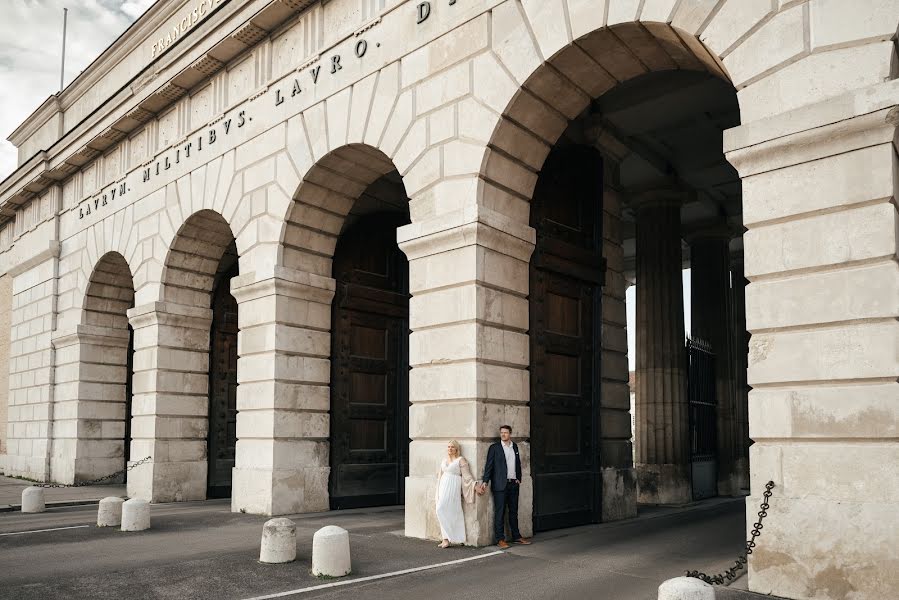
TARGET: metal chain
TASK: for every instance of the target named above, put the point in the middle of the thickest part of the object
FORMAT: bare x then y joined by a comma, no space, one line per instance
94,481
741,561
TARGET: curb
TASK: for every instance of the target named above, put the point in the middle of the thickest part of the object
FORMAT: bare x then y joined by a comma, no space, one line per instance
59,504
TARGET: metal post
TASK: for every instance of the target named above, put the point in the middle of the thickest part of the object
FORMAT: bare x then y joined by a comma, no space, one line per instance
62,68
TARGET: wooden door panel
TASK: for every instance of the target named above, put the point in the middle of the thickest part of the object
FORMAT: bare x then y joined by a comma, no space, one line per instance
566,272
370,364
222,440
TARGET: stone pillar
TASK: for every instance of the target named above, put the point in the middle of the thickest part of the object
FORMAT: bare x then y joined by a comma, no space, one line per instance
468,352
89,395
619,483
283,393
712,322
662,436
822,305
741,387
170,401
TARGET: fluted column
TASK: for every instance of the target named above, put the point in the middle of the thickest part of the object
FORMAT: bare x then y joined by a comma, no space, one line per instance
663,451
712,322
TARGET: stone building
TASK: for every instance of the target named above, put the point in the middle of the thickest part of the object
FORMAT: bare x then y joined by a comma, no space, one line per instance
289,248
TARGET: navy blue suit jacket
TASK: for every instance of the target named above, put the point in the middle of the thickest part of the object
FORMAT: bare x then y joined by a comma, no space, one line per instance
495,470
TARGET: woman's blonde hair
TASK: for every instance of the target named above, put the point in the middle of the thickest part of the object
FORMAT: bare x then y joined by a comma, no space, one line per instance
456,445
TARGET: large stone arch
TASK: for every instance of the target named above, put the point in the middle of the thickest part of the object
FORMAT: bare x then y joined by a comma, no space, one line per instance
92,384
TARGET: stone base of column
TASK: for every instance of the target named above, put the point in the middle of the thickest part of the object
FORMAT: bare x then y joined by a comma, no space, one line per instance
663,484
735,482
280,491
619,494
168,481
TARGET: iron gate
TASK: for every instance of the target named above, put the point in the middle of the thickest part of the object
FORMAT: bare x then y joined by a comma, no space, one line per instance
703,420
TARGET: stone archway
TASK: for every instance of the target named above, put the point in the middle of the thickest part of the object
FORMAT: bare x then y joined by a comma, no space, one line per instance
93,385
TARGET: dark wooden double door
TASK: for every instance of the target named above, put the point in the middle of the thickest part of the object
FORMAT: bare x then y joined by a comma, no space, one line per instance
370,367
566,276
222,440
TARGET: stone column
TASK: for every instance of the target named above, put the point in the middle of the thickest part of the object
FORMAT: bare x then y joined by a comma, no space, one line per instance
712,322
468,352
283,393
170,401
89,396
662,436
741,387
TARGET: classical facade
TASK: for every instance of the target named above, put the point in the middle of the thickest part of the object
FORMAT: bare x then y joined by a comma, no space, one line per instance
289,248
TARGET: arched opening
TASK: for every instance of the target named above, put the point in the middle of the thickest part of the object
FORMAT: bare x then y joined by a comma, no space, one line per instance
200,265
105,401
356,200
614,149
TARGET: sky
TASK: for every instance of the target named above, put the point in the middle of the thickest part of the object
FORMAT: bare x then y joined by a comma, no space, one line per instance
630,297
30,54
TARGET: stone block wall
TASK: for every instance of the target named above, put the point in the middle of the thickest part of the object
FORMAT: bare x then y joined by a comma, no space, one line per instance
5,321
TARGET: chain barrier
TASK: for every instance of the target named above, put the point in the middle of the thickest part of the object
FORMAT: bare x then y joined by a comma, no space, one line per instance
740,563
94,481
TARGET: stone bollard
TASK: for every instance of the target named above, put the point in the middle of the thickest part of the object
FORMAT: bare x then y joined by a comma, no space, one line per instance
109,513
135,515
279,541
33,500
686,588
331,552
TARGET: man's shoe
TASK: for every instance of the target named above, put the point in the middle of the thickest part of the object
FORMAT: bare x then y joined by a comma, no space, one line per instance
502,544
523,542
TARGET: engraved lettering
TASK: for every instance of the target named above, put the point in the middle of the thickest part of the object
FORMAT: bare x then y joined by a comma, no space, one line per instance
227,126
315,73
146,176
187,148
361,48
168,165
296,88
424,11
279,99
212,136
240,119
335,64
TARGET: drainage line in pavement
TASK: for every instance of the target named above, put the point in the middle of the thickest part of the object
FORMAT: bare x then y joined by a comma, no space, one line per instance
325,586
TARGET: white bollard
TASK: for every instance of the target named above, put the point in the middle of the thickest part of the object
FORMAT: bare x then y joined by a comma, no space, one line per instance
135,515
33,500
331,552
109,513
279,541
686,588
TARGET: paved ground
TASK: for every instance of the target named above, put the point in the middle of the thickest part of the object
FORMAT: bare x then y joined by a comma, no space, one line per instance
11,493
201,550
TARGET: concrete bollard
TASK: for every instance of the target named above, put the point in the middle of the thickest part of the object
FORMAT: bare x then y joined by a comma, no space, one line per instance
331,552
33,500
686,588
109,513
135,515
279,541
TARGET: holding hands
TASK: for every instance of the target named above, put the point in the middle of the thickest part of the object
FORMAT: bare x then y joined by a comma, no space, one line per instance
480,488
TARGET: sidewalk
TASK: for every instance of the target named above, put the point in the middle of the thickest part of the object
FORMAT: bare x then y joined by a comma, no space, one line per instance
11,493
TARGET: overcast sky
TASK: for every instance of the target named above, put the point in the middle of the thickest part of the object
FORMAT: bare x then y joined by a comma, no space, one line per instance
31,31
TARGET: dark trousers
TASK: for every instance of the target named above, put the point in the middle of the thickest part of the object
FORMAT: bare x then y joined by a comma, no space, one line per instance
501,500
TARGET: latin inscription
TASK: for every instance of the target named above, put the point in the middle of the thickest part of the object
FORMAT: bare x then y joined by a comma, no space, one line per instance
238,120
199,12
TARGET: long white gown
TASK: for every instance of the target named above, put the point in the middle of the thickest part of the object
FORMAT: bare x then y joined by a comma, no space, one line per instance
449,501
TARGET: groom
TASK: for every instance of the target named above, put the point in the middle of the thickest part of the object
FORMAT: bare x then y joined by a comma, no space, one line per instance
503,471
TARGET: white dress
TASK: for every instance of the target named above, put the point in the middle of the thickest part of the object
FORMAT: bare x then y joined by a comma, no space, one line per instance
449,501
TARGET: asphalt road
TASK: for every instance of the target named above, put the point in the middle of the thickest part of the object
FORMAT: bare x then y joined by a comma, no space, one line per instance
203,551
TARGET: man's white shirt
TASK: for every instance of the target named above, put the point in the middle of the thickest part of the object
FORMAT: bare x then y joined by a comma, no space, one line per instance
510,460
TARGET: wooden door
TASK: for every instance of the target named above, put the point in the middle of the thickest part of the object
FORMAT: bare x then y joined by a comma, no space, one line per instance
222,388
370,367
129,380
566,275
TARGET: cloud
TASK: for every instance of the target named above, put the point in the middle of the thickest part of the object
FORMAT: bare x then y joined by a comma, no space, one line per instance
30,54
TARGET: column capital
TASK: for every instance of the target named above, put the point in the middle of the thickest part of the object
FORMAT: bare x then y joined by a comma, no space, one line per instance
718,229
169,313
94,334
281,281
666,196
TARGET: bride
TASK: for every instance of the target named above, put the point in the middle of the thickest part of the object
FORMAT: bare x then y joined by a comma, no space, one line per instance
454,481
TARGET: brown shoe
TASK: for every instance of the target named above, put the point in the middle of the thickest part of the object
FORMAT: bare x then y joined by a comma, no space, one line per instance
502,544
523,542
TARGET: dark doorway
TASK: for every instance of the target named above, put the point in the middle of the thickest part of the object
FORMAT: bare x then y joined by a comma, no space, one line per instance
566,275
370,366
703,419
222,386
